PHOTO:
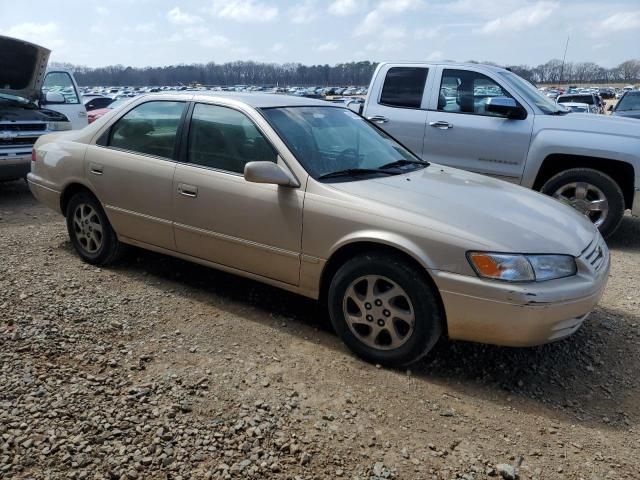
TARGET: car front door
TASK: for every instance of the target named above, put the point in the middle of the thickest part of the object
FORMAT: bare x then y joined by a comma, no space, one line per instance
461,133
131,168
62,82
400,107
222,218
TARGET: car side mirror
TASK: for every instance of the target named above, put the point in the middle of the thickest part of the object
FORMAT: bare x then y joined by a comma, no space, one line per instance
355,106
507,107
268,172
54,98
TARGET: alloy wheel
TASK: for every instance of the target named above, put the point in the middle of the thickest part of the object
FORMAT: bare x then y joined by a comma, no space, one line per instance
87,228
586,198
378,312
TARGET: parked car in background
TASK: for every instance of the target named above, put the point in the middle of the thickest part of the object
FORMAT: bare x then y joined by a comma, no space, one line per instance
489,120
96,102
595,103
577,107
628,106
33,102
93,115
306,196
607,93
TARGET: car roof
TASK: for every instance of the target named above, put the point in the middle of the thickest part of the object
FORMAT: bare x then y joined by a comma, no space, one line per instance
449,64
260,100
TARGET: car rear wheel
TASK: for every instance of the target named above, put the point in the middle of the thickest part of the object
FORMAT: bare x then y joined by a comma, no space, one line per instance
385,309
592,193
90,231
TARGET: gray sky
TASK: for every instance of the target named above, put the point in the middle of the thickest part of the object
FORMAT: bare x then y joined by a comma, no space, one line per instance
163,32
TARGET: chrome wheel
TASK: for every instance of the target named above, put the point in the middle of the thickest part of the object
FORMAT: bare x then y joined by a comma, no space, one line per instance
87,228
378,312
586,198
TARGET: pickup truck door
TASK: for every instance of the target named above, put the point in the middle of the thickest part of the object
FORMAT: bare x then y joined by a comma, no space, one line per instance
462,134
397,103
61,81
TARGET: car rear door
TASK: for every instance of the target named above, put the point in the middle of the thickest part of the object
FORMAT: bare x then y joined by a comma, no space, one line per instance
131,167
61,81
462,134
222,218
397,103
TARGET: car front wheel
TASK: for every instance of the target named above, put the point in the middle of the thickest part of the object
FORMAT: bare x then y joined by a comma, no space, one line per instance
384,309
592,193
90,231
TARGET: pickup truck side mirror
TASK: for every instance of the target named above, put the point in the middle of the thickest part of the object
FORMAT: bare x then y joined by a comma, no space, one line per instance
53,98
507,107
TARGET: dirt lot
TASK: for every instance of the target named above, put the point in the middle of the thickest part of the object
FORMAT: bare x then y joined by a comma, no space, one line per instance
158,368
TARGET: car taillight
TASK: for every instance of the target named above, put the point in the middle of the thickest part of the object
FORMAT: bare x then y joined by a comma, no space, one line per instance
33,154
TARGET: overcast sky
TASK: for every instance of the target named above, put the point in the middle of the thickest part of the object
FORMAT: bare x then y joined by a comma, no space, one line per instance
163,32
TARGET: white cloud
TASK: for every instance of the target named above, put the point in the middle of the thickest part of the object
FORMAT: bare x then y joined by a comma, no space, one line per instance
328,47
249,11
142,28
377,17
434,56
304,12
621,21
46,34
102,10
277,47
522,18
342,8
178,17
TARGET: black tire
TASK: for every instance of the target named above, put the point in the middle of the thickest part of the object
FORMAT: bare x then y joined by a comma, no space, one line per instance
608,186
428,315
110,249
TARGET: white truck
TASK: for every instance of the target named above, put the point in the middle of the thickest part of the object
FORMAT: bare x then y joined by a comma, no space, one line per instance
489,120
33,102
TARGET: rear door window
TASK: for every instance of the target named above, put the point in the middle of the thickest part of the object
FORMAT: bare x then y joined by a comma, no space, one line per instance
149,129
404,87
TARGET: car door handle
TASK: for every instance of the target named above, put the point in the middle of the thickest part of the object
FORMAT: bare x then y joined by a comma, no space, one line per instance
187,190
96,168
441,125
378,119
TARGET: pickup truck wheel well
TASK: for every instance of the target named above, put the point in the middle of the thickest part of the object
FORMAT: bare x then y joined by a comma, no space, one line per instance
69,192
621,172
340,256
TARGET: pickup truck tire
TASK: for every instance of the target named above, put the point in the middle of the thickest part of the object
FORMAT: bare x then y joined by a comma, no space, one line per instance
592,193
384,309
90,232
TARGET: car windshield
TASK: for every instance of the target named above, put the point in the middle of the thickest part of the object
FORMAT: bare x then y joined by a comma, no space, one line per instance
576,98
326,140
630,101
532,95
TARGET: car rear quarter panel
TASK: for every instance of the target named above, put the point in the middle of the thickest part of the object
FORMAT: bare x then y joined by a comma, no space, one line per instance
59,163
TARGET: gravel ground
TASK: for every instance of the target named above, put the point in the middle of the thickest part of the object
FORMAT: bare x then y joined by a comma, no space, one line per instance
158,368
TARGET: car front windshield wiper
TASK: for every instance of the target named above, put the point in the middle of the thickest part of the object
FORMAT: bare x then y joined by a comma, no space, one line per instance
353,172
402,162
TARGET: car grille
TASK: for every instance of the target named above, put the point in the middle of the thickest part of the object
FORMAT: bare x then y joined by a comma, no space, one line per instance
18,141
595,253
23,127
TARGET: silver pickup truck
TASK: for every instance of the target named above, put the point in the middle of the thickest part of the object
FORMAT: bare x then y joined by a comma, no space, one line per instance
489,120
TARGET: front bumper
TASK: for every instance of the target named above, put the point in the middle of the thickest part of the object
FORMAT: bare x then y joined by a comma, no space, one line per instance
522,315
14,167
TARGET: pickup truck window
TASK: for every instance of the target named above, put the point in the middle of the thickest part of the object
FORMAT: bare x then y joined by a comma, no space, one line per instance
532,95
464,91
404,87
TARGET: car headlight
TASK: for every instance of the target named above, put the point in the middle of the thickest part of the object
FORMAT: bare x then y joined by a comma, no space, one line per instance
522,268
58,126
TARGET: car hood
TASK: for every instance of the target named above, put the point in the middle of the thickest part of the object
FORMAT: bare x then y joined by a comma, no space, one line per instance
588,123
477,212
626,113
22,67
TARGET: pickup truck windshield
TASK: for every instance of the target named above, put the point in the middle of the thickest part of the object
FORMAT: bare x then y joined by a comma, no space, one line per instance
333,140
630,101
532,95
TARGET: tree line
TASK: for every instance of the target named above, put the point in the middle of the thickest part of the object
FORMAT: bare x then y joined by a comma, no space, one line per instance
342,74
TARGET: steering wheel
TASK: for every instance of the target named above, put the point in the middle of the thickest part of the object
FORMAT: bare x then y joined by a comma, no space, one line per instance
345,156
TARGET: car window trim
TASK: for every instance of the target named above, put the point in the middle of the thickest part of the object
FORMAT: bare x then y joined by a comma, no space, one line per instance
109,131
184,153
424,89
